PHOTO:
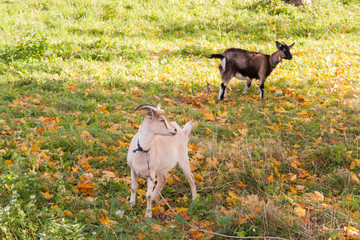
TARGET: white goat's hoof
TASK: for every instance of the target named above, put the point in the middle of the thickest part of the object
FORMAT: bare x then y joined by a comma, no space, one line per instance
120,213
195,197
148,214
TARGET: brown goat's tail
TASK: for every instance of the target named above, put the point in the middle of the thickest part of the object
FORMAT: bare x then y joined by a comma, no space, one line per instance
217,56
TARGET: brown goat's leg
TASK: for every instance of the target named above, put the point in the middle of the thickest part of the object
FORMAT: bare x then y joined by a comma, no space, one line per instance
261,87
247,86
227,75
222,91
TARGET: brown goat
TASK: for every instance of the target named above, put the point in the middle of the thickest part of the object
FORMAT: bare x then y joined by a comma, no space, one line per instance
247,65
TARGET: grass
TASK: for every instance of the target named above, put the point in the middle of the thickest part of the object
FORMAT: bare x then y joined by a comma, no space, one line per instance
72,73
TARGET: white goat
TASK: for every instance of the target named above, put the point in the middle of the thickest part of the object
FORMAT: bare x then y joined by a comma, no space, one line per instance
156,149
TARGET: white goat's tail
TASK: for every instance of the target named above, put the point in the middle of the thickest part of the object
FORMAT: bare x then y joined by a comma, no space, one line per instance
187,128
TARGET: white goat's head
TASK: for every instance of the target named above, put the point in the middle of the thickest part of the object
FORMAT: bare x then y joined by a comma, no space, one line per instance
159,124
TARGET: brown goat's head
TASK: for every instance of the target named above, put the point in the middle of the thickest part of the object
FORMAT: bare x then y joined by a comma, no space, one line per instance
284,50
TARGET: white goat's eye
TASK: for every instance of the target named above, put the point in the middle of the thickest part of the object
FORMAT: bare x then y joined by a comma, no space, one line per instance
162,120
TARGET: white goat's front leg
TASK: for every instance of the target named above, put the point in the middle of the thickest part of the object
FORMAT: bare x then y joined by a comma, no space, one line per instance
134,186
150,188
160,184
185,167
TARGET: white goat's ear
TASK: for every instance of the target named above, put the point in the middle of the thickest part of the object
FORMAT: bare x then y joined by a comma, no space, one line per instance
278,44
158,106
150,114
291,45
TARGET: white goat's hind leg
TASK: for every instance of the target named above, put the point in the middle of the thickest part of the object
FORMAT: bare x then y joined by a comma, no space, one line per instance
134,186
160,184
185,167
150,188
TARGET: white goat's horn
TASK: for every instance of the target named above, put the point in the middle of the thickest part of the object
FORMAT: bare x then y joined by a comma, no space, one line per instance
148,107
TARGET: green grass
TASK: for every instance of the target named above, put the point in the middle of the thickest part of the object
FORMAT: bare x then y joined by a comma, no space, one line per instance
72,73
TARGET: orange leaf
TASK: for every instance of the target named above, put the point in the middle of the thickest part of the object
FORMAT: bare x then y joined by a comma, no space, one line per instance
334,140
197,235
9,163
86,187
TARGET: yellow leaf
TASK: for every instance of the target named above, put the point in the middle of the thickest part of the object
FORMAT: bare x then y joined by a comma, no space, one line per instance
234,196
208,116
352,165
120,143
90,199
156,227
276,171
181,210
208,131
303,113
212,162
140,191
270,178
199,177
67,213
296,145
355,178
222,114
243,131
35,148
46,195
84,134
170,180
351,232
53,129
104,220
280,110
158,209
103,109
293,190
300,211
319,196
292,177
257,171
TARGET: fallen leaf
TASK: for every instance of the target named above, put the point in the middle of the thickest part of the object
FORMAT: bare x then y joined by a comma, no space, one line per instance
47,195
300,211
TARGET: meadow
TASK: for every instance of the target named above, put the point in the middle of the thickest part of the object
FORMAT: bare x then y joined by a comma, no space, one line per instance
72,72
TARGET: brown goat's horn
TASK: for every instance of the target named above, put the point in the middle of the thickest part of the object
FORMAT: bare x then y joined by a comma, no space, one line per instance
147,107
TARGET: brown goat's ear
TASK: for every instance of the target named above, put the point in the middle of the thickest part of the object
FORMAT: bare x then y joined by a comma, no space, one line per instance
291,45
278,44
